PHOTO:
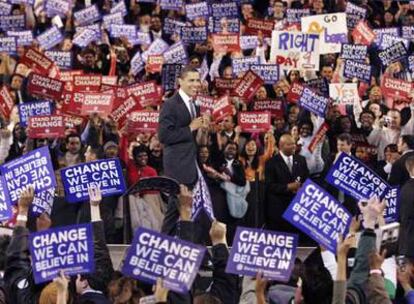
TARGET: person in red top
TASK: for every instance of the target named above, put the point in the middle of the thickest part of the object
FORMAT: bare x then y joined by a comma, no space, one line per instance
138,167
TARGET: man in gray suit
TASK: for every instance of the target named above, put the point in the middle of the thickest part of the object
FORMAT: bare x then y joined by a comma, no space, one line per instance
180,126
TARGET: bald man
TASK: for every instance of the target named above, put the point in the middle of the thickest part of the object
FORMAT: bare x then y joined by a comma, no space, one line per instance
284,175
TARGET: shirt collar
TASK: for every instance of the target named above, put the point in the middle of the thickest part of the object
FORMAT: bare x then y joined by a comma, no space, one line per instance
184,96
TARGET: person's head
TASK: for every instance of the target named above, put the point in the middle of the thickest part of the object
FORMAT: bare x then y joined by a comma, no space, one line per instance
376,109
261,93
305,128
388,17
16,82
294,131
293,76
203,154
317,285
333,112
67,44
391,153
156,24
409,164
189,81
345,124
19,133
93,153
49,294
144,22
361,152
88,282
293,114
367,119
231,150
279,123
317,5
228,72
140,154
405,143
278,7
344,143
89,57
206,298
111,149
73,143
287,144
250,148
228,123
394,119
327,72
124,290
375,94
194,61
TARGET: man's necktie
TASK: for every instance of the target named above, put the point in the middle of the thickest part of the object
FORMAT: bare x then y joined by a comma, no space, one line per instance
289,163
192,109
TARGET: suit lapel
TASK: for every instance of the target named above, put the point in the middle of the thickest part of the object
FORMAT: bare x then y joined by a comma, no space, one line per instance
284,165
183,107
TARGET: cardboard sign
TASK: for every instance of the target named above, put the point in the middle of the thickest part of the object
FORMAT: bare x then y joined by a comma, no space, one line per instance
381,39
46,126
407,32
172,26
175,5
201,198
226,9
295,92
169,75
411,63
344,93
8,45
194,34
143,121
69,248
43,202
254,122
105,174
137,64
111,19
177,53
154,63
396,88
254,26
23,38
315,212
37,61
355,179
359,70
57,7
318,137
196,10
157,47
225,86
5,8
122,108
226,42
32,169
62,59
395,52
354,14
248,85
153,255
275,107
249,42
270,73
13,22
295,50
119,7
6,211
223,25
363,34
100,103
332,29
206,103
87,15
222,108
123,30
271,252
320,85
50,38
146,93
87,83
36,108
295,15
84,38
313,102
355,52
392,209
241,65
44,86
6,102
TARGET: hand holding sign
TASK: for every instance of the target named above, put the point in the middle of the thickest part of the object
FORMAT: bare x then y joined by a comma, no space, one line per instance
26,199
371,210
95,195
160,293
218,233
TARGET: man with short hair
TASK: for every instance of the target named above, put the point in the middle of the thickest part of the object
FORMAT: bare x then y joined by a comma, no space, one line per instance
399,174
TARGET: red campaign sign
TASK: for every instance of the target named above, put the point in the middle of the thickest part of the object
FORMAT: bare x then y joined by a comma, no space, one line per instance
97,103
143,121
222,108
146,93
50,126
363,34
396,88
225,86
6,102
121,109
46,87
68,76
154,63
109,80
253,122
248,86
87,83
253,27
206,103
73,102
37,61
275,107
226,42
295,91
72,121
317,138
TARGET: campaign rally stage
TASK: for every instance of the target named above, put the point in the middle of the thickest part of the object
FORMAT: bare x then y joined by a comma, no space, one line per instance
153,255
270,252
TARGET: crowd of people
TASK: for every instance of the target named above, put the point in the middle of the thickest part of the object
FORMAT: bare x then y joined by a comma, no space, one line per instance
251,177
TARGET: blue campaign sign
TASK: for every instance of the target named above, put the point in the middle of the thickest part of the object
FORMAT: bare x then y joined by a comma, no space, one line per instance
359,70
32,169
105,173
355,179
271,252
313,102
6,212
43,202
270,73
153,255
49,38
67,248
314,211
392,209
34,108
356,52
224,9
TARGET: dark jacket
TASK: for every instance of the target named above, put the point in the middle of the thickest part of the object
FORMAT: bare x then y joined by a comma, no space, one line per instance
399,174
406,219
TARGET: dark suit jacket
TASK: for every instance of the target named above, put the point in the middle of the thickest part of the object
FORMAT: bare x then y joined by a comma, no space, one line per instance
180,149
278,198
406,215
399,174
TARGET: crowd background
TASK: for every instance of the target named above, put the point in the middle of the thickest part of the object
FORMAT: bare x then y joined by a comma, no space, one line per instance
377,131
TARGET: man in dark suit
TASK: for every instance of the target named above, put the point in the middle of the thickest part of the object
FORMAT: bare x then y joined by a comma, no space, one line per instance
284,175
399,174
406,214
178,124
